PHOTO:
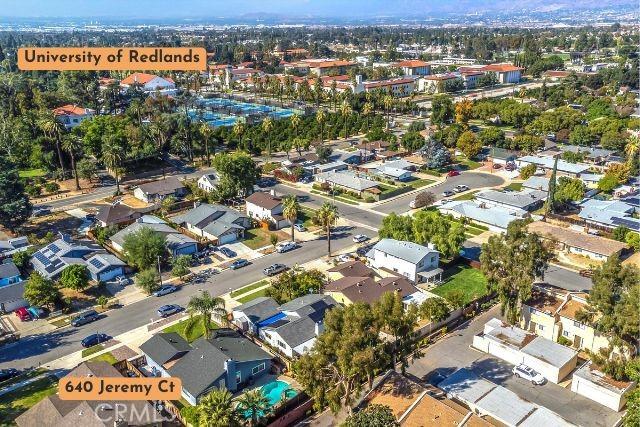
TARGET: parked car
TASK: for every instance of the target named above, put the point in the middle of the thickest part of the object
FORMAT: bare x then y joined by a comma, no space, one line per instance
36,312
168,310
303,198
344,258
123,280
239,263
362,250
8,373
227,252
23,314
448,193
40,211
453,173
460,188
524,371
164,290
359,238
286,247
85,317
274,269
299,226
95,339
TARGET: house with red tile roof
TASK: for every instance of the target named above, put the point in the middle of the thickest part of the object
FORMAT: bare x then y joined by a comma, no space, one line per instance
149,82
414,67
505,73
399,87
72,115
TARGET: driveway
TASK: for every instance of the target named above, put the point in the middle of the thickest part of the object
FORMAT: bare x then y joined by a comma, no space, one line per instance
454,352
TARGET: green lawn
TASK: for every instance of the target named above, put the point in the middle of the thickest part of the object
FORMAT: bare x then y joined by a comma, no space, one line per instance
418,183
92,350
104,357
306,216
340,198
467,196
432,172
256,238
515,186
193,333
31,173
468,164
473,231
462,277
18,401
248,288
22,377
252,296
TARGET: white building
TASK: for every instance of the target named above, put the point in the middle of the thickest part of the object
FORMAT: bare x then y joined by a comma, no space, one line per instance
505,73
413,261
207,182
149,83
593,384
72,115
263,206
414,67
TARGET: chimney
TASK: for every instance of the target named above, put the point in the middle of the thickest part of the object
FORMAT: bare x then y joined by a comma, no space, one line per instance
273,192
431,246
230,369
319,327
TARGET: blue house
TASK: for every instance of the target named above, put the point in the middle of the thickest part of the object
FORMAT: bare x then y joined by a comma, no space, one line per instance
11,288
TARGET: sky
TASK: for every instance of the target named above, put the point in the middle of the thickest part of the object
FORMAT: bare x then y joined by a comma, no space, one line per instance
155,9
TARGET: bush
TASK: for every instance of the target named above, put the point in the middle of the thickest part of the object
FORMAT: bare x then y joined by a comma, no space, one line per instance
564,341
75,276
370,199
527,171
33,190
51,187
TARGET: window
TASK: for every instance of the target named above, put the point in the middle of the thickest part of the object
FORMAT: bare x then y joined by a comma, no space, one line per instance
541,327
578,325
238,377
565,333
259,368
281,344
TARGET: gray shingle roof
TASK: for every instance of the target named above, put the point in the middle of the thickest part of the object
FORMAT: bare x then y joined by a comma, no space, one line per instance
214,219
495,216
297,331
165,186
313,305
259,309
407,251
12,292
521,199
174,237
347,180
8,270
165,346
563,165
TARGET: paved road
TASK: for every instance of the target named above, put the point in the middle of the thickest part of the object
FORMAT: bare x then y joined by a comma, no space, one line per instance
35,349
470,179
453,352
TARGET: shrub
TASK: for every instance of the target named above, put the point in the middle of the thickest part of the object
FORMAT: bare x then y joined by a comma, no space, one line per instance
51,187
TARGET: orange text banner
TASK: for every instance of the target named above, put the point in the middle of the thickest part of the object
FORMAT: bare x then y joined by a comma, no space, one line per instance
117,388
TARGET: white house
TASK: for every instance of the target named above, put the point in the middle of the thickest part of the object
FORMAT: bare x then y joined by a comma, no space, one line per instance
148,82
263,206
413,261
207,182
214,222
495,218
72,115
594,384
155,191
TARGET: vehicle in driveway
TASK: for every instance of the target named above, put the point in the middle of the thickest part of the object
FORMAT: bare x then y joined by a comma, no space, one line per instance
453,173
95,339
23,314
8,373
36,312
299,226
460,188
359,238
530,374
227,252
239,263
123,280
274,269
286,247
85,317
168,310
344,258
164,290
448,193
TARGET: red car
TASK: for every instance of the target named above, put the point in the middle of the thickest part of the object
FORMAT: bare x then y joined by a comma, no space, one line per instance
453,173
23,314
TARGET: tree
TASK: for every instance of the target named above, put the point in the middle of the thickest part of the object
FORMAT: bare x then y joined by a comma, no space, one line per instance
399,323
41,291
442,110
346,353
273,239
374,415
326,217
290,210
581,135
491,136
71,144
412,141
238,174
345,112
167,204
511,263
608,182
112,156
633,239
435,309
620,233
75,276
181,266
323,152
51,187
321,117
463,111
424,198
296,283
469,144
102,301
456,298
202,307
526,142
148,280
256,404
217,409
54,129
433,227
15,208
569,189
398,227
267,126
87,169
435,154
142,248
528,171
550,204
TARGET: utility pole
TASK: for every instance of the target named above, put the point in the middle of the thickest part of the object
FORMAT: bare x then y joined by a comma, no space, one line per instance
159,271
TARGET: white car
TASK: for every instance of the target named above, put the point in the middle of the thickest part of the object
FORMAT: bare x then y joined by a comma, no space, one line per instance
344,258
529,374
299,227
286,247
359,238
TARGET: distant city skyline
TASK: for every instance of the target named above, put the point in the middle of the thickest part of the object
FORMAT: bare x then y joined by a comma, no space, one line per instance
168,9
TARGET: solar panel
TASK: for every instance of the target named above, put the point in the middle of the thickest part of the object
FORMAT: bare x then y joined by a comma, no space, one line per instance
96,263
630,223
43,259
54,248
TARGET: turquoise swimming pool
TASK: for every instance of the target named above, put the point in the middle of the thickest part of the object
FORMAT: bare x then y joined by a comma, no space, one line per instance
274,391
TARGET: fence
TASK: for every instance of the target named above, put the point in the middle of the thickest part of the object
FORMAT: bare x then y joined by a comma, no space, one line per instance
577,221
292,411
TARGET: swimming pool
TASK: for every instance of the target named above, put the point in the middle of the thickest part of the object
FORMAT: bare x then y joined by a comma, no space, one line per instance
228,111
274,392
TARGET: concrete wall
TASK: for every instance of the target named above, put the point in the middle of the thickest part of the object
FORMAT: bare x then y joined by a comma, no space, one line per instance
597,393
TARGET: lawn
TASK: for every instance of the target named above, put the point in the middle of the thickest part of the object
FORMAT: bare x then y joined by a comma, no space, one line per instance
306,216
462,277
257,238
249,288
432,172
22,377
92,350
468,164
195,332
514,186
18,401
252,296
340,198
467,196
418,183
104,357
31,173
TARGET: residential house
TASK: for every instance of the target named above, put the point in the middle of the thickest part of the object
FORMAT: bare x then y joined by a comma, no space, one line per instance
525,200
327,167
51,259
72,115
265,207
591,180
226,360
177,243
535,182
13,246
502,156
216,223
391,172
355,268
155,191
207,182
148,82
250,314
496,403
414,67
415,262
116,214
590,382
352,289
575,242
551,313
514,345
545,163
11,288
496,218
52,411
348,181
594,155
609,213
505,73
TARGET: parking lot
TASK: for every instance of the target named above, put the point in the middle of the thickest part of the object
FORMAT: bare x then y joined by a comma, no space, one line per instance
454,352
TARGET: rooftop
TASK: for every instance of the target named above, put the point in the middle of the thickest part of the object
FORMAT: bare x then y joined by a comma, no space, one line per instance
408,251
264,200
496,216
354,268
576,239
348,180
590,372
164,186
520,199
563,166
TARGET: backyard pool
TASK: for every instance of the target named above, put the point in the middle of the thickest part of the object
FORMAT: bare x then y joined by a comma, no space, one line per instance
274,392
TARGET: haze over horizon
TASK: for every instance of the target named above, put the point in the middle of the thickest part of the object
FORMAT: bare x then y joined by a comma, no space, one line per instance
202,9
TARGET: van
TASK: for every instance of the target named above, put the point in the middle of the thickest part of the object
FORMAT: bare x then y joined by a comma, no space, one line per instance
84,318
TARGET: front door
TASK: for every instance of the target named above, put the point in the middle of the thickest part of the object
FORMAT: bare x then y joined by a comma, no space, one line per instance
577,341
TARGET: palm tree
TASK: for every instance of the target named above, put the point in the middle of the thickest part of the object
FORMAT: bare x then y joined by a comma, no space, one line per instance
112,156
54,130
267,126
256,404
216,409
388,102
290,209
325,217
295,122
320,118
206,131
345,112
71,144
205,306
